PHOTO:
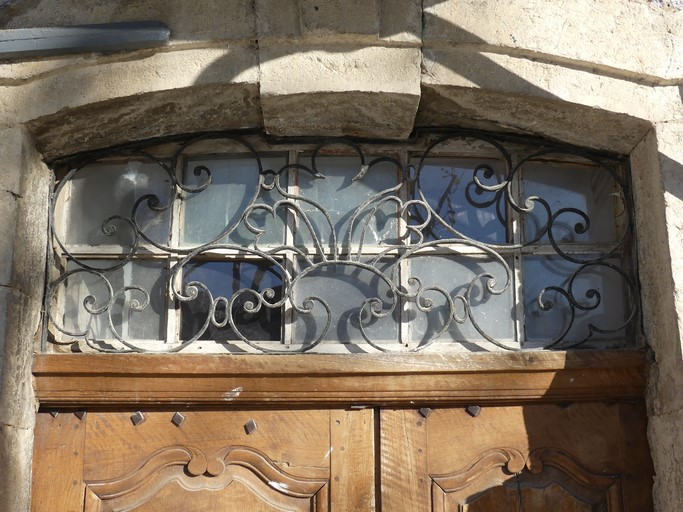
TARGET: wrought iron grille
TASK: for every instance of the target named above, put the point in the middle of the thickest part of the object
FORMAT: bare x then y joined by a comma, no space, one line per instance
234,242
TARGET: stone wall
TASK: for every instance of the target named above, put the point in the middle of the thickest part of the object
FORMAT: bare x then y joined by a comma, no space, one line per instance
605,75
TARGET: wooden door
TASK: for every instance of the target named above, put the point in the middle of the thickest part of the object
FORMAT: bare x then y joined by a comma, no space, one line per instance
566,434
284,460
564,458
576,458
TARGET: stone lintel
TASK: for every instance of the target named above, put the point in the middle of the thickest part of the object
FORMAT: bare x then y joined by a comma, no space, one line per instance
444,105
155,114
364,91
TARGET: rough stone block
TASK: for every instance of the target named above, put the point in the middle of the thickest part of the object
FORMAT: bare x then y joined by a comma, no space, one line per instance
8,226
638,38
5,299
445,105
17,402
186,110
16,453
102,81
670,355
665,434
656,167
466,67
11,143
277,19
401,20
324,17
196,20
28,273
339,114
366,91
660,322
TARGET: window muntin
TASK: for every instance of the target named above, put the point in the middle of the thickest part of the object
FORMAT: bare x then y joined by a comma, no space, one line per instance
445,243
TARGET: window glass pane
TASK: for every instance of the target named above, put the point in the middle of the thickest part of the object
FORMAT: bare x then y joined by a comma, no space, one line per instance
587,189
605,310
218,209
344,287
128,322
448,186
340,196
459,261
100,191
453,274
226,279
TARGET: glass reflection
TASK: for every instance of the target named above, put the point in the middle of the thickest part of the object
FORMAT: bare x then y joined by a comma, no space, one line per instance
226,279
449,187
599,291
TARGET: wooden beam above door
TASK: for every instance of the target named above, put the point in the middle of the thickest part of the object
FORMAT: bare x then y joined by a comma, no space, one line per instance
80,380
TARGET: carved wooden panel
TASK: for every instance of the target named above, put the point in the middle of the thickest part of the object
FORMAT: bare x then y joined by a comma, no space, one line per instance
545,479
180,478
211,460
569,458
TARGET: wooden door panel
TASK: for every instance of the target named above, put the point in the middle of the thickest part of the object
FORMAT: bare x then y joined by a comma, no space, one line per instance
213,460
404,476
172,499
240,486
352,460
182,476
59,450
546,479
517,458
552,498
292,439
576,458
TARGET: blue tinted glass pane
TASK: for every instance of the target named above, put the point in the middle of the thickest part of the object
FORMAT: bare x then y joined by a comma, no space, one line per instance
129,323
340,196
100,191
229,279
454,274
590,190
600,294
448,186
218,209
343,288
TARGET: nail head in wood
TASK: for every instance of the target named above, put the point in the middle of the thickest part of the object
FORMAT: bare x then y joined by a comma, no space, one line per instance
250,427
137,418
473,410
425,412
178,419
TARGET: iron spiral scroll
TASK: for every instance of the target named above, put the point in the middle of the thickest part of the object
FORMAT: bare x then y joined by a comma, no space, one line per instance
385,237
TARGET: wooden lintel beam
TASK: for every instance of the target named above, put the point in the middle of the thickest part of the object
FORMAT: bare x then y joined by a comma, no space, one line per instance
81,380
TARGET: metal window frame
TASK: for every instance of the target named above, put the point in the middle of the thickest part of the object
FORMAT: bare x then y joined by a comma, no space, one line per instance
520,149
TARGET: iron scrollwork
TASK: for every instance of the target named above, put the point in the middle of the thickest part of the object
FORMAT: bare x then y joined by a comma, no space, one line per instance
409,227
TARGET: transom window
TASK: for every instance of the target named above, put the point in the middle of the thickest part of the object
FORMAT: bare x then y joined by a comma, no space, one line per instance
240,243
